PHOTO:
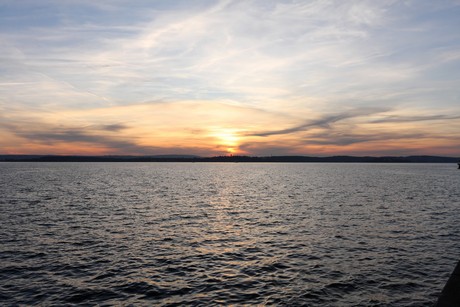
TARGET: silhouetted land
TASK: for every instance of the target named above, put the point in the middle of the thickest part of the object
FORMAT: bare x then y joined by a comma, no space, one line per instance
189,158
450,295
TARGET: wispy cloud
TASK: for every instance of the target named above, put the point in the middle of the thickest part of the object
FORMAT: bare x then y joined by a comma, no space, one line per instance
323,122
344,139
114,127
405,119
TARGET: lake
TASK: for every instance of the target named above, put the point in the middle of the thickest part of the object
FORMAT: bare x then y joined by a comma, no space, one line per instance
171,234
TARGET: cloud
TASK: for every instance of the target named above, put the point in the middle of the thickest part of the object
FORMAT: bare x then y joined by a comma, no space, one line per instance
248,50
253,52
50,135
344,139
114,127
323,122
67,139
406,119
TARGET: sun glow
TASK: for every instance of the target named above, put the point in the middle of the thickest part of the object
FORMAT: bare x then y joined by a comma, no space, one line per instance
227,138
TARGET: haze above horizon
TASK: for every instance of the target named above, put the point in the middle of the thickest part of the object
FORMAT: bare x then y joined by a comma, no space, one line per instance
230,77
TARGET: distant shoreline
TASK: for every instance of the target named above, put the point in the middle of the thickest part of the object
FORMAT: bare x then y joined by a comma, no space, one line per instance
242,159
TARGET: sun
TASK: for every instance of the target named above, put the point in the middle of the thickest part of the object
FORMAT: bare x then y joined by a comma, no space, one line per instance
228,138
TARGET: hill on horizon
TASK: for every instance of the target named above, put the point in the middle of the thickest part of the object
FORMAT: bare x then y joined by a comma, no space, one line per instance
193,158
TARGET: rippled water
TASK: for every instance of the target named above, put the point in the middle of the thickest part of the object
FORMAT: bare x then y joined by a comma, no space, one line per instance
194,233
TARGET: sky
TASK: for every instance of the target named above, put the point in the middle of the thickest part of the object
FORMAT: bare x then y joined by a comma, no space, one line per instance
209,78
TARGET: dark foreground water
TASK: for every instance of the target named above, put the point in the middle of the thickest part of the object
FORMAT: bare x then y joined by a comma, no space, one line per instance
208,234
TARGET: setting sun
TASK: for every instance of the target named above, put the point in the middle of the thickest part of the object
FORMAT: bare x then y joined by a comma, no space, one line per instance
227,138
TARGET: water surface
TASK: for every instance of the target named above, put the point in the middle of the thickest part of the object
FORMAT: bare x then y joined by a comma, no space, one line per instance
231,233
